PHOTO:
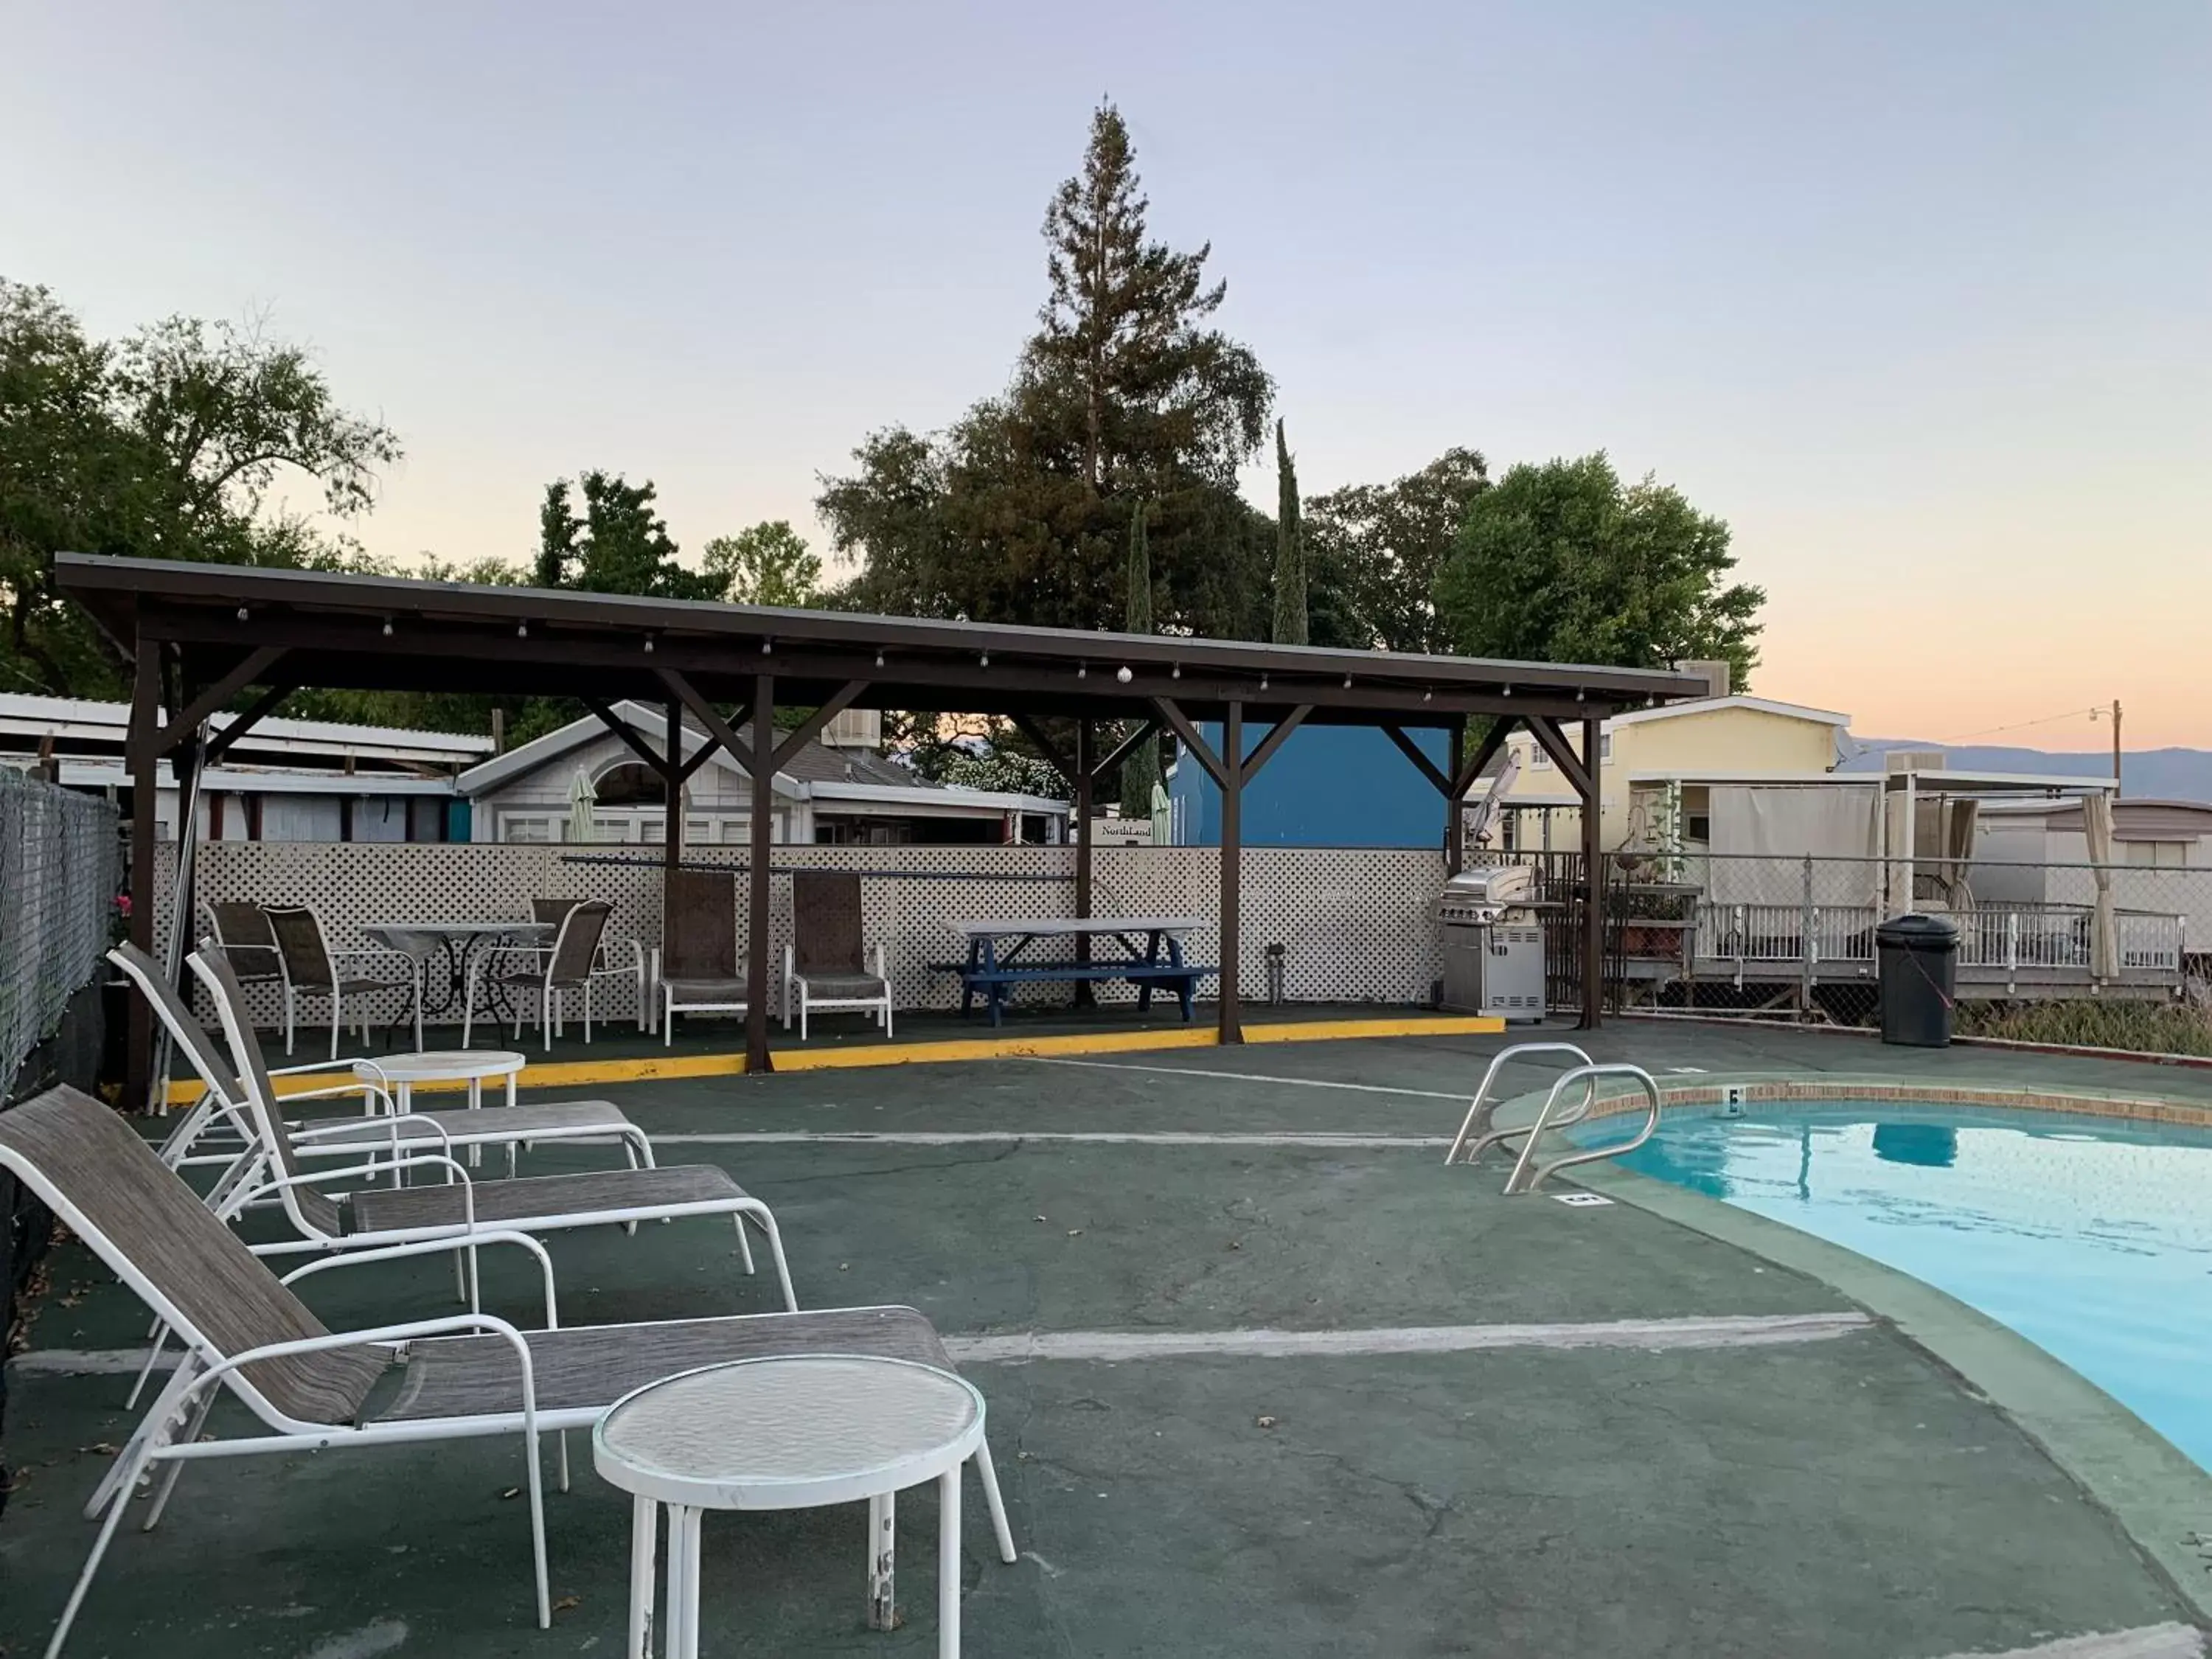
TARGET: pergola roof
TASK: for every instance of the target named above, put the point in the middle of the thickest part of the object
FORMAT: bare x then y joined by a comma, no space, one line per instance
383,633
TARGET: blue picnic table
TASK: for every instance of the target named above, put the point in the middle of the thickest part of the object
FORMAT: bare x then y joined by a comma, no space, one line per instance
1146,951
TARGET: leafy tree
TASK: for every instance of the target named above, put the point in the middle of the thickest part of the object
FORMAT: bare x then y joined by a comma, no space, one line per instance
767,564
166,444
1290,550
1141,771
1563,562
1126,391
1375,551
619,544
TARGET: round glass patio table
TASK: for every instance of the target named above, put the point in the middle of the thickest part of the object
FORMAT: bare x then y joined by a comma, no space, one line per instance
785,1432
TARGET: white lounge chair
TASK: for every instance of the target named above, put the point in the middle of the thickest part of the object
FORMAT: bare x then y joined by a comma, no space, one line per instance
369,1217
464,1375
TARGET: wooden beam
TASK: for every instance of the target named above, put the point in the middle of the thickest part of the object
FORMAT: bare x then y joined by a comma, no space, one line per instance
189,720
251,716
671,830
1274,739
1412,752
1232,876
1486,751
630,736
1051,750
762,826
1147,731
144,759
1593,877
1200,749
1081,780
702,755
804,732
717,728
1547,733
1455,807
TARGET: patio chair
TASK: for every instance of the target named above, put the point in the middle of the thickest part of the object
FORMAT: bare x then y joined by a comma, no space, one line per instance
310,965
620,957
369,1217
694,971
464,1375
825,965
243,930
567,964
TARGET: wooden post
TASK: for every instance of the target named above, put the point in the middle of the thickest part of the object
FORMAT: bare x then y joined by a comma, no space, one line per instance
763,747
1454,818
144,756
1083,782
671,832
1593,876
1232,871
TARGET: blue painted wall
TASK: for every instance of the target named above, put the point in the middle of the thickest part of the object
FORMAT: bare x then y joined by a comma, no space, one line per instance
1328,786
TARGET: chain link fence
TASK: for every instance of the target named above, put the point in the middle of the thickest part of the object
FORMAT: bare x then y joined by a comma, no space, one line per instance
58,869
2109,955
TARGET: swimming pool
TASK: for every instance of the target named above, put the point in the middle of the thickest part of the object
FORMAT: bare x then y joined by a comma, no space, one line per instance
2089,1237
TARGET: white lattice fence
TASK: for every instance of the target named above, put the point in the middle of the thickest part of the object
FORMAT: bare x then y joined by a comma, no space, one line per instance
1357,923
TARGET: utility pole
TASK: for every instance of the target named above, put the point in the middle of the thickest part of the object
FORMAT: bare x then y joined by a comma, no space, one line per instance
2116,747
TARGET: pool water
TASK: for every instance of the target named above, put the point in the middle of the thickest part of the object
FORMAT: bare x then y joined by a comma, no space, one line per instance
2091,1239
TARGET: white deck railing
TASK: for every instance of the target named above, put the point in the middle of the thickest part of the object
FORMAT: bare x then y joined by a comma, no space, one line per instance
2007,937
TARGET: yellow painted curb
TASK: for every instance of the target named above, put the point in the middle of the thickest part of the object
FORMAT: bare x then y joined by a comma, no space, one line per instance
580,1073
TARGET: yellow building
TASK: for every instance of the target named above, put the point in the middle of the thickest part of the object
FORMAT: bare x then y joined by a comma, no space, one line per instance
1651,762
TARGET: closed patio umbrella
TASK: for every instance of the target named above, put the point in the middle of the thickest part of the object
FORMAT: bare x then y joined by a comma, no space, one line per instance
582,798
2104,927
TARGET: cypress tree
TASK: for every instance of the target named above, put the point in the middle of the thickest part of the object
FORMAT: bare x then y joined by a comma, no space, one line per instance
1290,550
1142,769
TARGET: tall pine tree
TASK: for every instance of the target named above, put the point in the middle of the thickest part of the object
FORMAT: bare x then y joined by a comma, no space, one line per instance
1290,550
1142,769
1128,391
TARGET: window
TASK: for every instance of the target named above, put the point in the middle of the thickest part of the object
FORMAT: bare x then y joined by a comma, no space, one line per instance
2159,854
1604,748
1697,826
1540,758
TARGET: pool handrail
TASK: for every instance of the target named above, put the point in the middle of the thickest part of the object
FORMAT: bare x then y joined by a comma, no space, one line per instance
1588,1076
1490,1134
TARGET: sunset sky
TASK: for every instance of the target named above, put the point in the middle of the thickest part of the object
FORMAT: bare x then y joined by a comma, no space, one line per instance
1915,296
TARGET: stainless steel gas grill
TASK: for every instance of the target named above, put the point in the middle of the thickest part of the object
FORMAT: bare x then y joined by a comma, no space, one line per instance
1493,944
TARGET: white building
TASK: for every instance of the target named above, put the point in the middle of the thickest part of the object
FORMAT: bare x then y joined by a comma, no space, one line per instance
835,791
285,779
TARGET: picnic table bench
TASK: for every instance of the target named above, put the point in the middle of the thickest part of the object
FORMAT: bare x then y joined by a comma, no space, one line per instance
1152,957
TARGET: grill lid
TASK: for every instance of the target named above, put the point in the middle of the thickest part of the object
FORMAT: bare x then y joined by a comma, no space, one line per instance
1485,892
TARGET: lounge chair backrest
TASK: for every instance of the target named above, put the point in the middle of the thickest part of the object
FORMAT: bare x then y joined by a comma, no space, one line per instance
184,1029
244,931
111,1190
552,911
310,1210
307,953
702,942
576,947
825,922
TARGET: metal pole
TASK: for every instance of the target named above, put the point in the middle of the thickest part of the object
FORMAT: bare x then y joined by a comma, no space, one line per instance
764,746
2115,749
1805,929
1593,879
1232,871
1083,813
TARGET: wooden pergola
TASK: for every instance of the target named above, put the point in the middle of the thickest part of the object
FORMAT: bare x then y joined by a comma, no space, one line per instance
205,638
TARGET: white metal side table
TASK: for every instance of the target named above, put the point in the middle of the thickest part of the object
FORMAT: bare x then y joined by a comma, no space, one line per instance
787,1433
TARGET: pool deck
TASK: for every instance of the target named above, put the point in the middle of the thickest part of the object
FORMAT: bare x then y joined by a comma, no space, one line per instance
1265,1378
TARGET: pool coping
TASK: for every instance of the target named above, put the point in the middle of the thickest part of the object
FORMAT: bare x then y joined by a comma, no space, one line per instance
2157,1494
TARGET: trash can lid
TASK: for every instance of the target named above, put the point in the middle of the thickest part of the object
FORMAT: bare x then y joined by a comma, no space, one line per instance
1919,931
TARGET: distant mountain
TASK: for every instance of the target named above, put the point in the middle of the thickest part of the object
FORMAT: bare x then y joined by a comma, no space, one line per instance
2145,774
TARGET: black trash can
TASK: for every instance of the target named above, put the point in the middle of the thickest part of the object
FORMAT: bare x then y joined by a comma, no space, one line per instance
1919,958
